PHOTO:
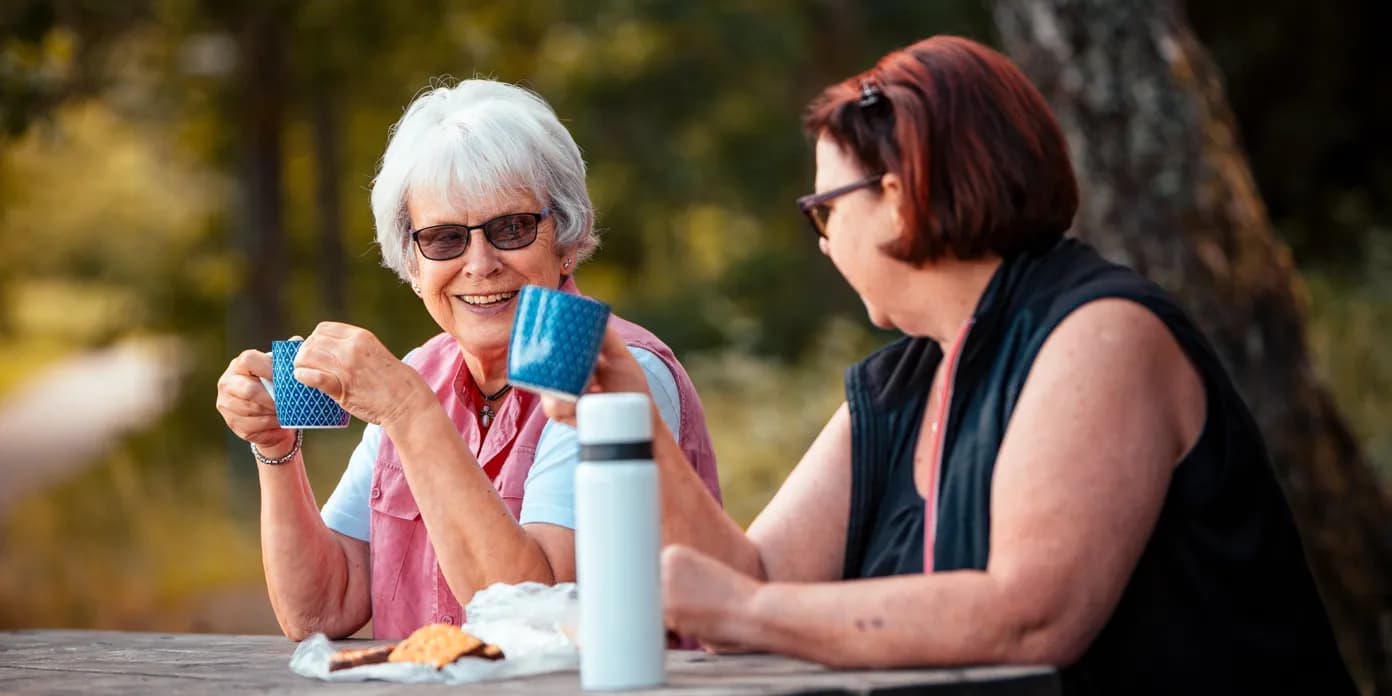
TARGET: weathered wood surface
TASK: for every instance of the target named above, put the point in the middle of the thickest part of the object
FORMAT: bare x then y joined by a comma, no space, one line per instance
113,662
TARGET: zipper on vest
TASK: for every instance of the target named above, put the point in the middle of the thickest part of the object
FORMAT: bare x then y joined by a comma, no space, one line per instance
939,427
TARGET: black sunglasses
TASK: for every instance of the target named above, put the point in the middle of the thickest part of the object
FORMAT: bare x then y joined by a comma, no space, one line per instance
815,206
505,232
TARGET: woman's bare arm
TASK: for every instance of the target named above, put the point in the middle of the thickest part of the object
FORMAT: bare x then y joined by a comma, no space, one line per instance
476,538
801,534
804,544
317,578
1110,406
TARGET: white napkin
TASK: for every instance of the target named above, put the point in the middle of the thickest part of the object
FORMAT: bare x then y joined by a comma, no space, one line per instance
529,622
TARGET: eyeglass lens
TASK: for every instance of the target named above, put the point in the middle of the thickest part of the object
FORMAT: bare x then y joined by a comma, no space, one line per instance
442,242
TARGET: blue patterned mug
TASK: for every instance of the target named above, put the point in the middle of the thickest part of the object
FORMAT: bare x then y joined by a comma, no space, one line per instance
555,341
298,406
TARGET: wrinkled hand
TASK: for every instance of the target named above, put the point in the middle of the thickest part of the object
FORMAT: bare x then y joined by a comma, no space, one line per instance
706,599
616,370
350,365
247,407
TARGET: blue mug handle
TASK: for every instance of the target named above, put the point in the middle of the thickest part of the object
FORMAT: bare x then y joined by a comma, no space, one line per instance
270,387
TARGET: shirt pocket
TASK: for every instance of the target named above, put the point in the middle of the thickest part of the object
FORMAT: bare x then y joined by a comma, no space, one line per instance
396,532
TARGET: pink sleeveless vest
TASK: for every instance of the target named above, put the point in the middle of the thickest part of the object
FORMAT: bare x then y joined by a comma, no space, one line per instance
408,589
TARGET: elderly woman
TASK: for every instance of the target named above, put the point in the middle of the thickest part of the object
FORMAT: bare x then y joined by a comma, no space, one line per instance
459,482
1051,467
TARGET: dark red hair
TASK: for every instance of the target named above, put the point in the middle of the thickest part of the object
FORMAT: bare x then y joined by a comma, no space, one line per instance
984,166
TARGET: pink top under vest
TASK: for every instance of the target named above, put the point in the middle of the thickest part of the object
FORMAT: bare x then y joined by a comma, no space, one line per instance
408,589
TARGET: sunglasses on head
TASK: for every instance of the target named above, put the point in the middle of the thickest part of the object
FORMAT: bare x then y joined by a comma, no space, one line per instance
815,207
505,232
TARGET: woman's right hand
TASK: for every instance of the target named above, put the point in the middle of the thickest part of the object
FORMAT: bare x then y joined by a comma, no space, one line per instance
248,408
616,370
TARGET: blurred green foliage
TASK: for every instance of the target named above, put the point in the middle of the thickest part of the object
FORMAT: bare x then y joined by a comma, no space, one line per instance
124,205
1350,335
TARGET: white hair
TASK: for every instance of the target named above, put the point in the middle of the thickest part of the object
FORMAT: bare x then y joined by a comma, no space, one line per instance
471,142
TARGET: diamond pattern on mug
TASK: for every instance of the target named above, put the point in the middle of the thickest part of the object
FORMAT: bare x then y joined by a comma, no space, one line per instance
298,406
555,340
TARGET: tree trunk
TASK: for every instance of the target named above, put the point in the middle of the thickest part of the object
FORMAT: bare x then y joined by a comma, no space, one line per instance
1166,189
324,115
256,317
260,227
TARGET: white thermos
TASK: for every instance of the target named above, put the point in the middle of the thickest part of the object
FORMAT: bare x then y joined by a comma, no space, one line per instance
617,540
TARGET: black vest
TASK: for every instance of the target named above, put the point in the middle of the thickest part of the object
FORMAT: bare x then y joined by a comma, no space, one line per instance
1221,599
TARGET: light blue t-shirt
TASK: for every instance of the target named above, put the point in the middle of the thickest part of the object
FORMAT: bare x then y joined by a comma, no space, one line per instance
548,495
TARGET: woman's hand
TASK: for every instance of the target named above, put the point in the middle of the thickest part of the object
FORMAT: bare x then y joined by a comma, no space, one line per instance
247,407
350,365
706,599
616,370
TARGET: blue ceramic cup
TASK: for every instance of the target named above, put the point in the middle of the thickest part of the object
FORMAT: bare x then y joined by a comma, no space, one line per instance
555,341
298,406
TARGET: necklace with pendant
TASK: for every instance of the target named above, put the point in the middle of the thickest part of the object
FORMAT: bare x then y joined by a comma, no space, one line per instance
486,413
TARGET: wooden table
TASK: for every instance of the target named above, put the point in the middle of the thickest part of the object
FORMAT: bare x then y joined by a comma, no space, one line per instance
115,662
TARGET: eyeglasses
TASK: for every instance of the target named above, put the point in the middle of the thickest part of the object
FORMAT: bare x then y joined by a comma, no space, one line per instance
815,206
505,232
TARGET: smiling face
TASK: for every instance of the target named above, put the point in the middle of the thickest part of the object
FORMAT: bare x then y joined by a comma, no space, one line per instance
858,225
473,297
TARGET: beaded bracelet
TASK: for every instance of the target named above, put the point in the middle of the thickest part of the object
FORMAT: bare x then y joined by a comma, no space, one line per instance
299,440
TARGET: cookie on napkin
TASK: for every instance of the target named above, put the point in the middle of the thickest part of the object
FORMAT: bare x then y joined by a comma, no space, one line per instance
348,659
437,645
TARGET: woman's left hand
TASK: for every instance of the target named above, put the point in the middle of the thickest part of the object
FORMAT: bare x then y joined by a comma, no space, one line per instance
706,599
350,365
616,370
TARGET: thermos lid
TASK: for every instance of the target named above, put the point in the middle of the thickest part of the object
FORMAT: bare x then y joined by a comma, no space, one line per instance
614,418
